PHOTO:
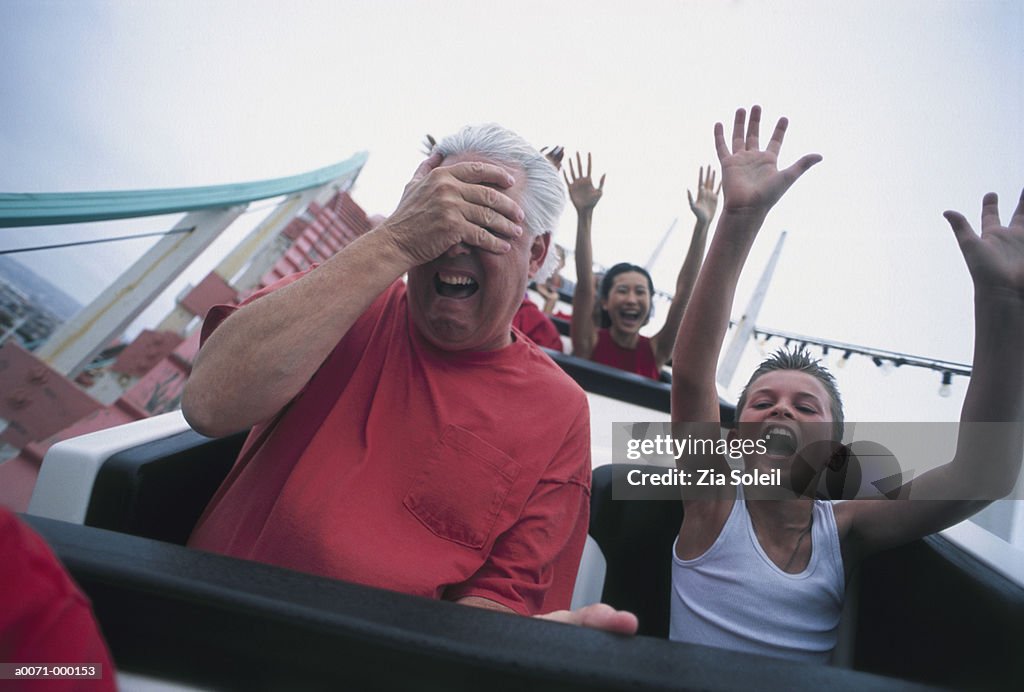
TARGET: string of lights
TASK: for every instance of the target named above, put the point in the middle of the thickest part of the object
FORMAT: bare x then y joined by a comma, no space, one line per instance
882,358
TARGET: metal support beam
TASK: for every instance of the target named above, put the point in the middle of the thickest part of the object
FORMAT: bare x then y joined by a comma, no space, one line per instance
745,327
256,254
76,343
49,208
660,246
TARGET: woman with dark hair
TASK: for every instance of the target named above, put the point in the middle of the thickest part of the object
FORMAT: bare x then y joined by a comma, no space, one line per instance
626,291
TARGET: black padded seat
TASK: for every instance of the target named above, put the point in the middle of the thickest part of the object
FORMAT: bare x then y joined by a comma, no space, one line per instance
636,538
931,612
159,489
220,623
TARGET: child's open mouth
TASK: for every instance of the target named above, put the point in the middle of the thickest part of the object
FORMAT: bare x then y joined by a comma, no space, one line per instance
779,441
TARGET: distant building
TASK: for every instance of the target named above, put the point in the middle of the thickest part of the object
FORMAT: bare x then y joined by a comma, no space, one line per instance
24,320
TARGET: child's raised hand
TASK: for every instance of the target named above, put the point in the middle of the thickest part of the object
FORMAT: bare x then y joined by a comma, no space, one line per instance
750,177
996,257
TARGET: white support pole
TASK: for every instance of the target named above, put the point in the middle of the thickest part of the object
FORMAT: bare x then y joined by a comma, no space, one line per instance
253,257
745,327
266,245
76,343
264,240
660,246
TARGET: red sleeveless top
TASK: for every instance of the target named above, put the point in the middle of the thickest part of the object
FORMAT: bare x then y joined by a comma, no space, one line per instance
639,360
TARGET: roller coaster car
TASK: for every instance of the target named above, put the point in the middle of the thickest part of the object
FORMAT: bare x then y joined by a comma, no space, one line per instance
118,505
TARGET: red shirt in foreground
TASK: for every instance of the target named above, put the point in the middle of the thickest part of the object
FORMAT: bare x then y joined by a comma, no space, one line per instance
44,618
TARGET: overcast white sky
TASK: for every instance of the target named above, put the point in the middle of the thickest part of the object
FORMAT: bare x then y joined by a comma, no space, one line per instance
917,107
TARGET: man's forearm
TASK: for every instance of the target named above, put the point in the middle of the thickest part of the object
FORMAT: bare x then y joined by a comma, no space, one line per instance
265,353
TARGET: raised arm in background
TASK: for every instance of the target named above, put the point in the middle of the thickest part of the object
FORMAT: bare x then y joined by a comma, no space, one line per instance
584,197
704,209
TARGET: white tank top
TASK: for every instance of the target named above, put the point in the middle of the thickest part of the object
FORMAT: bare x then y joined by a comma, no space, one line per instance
733,596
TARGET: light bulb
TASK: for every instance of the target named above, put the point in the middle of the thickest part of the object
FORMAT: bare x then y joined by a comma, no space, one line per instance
946,388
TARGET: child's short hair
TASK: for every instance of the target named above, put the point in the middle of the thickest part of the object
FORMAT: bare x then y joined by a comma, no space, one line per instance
800,359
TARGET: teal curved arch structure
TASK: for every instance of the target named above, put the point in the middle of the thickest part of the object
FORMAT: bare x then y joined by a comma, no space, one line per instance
18,209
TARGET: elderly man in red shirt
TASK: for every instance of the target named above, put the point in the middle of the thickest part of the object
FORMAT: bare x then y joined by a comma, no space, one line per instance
406,436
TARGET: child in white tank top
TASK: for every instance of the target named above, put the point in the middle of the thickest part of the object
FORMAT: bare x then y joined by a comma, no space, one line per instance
762,569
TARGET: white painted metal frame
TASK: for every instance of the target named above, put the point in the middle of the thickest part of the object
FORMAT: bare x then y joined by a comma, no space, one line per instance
745,327
77,341
69,468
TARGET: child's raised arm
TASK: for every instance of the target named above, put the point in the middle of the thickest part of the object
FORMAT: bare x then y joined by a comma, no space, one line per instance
752,184
990,442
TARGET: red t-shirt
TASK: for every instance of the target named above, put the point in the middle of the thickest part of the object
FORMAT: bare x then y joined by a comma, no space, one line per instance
406,467
639,360
530,320
44,618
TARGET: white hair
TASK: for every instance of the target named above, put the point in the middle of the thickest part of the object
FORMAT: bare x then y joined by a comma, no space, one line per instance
544,198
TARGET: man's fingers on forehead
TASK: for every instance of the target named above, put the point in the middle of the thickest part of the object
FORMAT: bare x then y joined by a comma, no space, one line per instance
430,163
490,220
482,172
495,199
485,240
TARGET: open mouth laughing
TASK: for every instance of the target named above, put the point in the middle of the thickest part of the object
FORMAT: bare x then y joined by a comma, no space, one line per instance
630,318
780,441
455,285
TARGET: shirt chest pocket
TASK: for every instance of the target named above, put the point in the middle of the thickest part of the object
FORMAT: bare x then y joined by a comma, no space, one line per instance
459,491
